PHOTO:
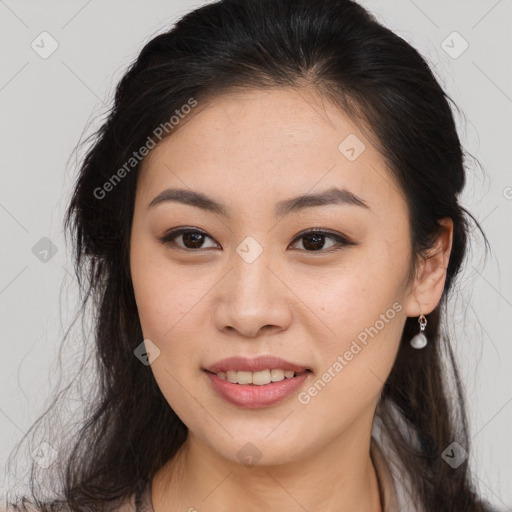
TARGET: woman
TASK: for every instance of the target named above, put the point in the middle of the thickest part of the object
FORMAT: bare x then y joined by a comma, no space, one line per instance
268,226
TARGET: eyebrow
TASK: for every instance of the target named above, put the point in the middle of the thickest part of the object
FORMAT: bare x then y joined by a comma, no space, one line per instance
340,196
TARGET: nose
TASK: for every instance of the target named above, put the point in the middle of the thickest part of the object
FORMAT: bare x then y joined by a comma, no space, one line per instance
253,300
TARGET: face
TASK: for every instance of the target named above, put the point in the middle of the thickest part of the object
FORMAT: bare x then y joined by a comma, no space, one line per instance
252,272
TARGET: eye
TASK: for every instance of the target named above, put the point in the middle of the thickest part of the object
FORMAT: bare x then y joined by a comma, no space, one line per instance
314,240
190,238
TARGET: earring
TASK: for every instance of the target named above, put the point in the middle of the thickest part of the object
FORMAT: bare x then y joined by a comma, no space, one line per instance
420,340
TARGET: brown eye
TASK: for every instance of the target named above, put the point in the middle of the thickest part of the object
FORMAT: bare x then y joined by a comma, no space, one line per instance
190,239
193,240
314,241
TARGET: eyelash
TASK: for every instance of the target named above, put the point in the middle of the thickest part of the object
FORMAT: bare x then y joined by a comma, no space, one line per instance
169,239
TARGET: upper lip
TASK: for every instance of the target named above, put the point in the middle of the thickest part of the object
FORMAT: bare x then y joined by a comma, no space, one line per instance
254,364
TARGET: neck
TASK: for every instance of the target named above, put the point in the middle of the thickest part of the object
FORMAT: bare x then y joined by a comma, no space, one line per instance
339,476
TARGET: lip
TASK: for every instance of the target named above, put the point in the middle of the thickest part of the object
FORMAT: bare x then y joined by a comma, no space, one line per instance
256,364
250,396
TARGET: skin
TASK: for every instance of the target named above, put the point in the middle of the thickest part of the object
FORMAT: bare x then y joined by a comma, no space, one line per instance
249,150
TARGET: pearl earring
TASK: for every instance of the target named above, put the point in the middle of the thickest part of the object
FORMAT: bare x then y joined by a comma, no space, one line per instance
420,340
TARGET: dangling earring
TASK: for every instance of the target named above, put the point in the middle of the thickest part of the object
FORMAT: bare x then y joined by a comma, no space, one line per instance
420,340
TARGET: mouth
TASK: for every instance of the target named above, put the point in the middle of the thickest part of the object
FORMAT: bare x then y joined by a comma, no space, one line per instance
259,378
256,365
254,383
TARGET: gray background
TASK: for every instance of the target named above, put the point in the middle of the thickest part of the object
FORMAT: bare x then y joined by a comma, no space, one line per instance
47,102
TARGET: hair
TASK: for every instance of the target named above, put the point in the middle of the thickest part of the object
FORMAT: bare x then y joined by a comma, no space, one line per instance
340,50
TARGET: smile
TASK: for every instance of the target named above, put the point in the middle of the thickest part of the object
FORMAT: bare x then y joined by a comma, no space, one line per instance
251,395
259,378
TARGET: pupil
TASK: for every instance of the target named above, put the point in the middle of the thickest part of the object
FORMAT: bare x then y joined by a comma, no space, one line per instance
317,238
196,239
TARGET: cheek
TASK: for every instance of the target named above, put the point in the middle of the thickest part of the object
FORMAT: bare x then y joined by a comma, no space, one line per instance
362,313
167,315
354,297
165,303
365,318
164,297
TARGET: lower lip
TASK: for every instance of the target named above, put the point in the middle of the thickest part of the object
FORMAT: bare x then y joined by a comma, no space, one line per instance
252,396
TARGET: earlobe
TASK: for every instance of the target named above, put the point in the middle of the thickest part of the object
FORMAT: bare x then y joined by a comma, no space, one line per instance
431,275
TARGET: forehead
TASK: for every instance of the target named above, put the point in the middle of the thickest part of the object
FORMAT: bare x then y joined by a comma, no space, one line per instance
269,144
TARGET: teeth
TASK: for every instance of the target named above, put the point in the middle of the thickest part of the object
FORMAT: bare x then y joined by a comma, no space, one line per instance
232,377
276,375
260,378
244,378
257,378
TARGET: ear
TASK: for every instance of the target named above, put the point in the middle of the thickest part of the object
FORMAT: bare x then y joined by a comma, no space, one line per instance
431,273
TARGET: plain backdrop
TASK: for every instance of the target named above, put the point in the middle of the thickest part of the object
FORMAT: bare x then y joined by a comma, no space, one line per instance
47,101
